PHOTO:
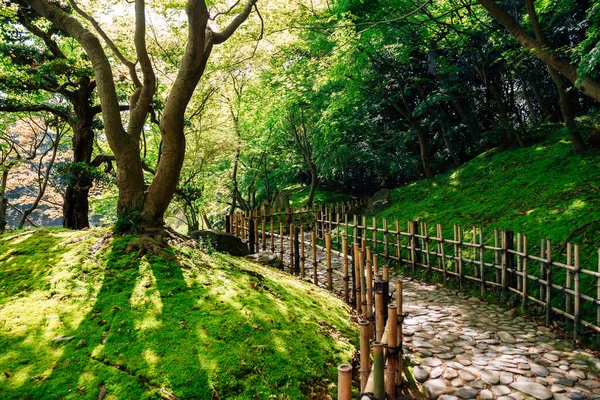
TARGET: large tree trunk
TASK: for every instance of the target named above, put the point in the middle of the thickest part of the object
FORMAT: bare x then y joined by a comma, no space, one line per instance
76,201
313,185
566,99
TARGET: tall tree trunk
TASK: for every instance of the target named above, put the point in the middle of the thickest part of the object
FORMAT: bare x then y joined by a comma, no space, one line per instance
566,99
313,184
76,201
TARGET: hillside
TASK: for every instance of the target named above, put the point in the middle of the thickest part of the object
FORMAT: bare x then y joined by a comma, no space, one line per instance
543,191
80,316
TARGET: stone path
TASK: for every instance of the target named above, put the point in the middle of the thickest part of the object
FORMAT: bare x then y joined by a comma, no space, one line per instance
462,347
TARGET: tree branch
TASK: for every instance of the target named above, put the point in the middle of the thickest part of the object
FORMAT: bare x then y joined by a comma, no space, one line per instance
220,37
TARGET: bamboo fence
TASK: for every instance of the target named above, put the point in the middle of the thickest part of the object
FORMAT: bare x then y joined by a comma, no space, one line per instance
502,261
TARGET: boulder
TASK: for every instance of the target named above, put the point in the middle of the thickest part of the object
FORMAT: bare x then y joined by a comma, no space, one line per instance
222,242
264,207
281,201
268,259
379,201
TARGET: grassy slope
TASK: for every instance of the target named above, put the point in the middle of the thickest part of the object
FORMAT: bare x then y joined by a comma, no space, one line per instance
217,323
543,191
299,195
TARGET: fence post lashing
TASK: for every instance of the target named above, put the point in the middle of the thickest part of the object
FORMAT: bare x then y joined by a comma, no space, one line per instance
302,255
524,284
314,255
378,371
329,269
390,378
345,382
365,362
345,268
251,235
577,300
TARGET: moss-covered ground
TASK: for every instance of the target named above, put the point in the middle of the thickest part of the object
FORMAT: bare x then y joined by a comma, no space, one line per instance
195,325
299,195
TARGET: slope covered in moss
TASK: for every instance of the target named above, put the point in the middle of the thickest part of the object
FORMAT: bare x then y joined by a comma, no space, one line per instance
191,324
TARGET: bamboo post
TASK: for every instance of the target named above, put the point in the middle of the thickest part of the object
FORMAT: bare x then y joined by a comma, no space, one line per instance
460,259
363,285
390,377
481,263
398,248
542,269
399,339
374,245
364,231
386,273
524,284
569,280
251,235
365,362
442,251
510,259
504,262
264,234
329,269
413,244
378,371
302,254
256,235
549,283
357,277
345,268
474,243
296,250
519,259
379,315
598,293
354,231
369,279
577,292
281,249
425,231
228,223
272,221
345,382
497,256
386,252
292,257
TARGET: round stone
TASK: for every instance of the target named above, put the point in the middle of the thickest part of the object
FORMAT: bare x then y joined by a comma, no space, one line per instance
420,374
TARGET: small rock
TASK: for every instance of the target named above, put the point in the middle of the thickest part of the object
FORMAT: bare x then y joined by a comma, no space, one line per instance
486,394
539,370
500,390
466,375
62,339
432,362
491,377
576,396
421,374
507,337
467,392
506,378
435,388
436,372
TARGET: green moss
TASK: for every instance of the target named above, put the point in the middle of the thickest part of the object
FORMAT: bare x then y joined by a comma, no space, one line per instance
194,325
299,195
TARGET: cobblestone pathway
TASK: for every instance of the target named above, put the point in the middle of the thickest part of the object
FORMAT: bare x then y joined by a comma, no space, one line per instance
462,347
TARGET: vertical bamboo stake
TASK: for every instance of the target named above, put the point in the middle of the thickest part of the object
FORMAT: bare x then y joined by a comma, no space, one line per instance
474,242
455,244
292,229
426,232
345,268
390,378
497,256
460,259
314,255
548,283
577,293
399,339
386,251
542,269
365,362
369,280
569,280
357,277
598,292
379,319
264,234
374,235
398,248
504,261
519,258
364,232
345,382
524,285
442,251
412,243
272,220
363,285
354,232
281,249
329,269
256,236
378,371
375,264
302,256
481,263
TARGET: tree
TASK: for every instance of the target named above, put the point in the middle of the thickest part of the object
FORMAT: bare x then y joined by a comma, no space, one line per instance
124,139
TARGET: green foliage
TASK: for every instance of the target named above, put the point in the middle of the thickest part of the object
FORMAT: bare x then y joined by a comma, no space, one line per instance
69,173
190,323
128,221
